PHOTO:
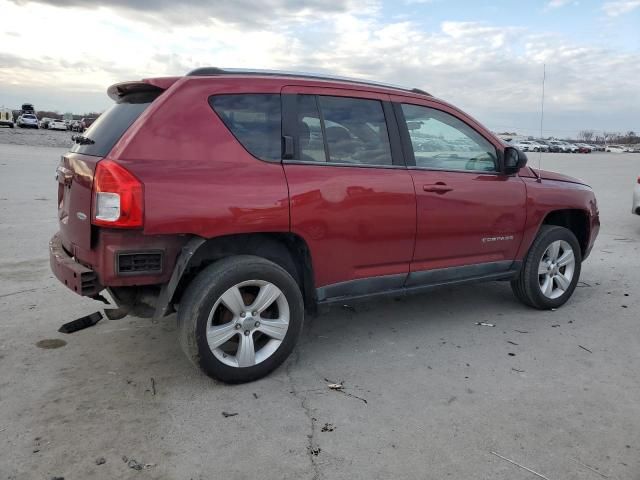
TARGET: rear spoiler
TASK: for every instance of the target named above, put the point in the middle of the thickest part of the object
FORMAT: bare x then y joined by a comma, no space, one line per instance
119,90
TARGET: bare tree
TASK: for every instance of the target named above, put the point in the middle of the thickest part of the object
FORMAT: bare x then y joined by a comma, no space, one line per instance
586,135
631,137
610,137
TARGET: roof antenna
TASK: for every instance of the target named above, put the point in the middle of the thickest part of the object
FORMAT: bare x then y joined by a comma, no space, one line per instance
544,77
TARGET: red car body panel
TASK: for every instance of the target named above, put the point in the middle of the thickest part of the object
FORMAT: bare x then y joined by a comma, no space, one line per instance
479,220
358,222
553,195
200,180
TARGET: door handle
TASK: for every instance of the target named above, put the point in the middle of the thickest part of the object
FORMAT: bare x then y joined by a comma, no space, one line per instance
439,188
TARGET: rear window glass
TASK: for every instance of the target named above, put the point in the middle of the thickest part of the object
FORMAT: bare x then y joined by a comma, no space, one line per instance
254,119
102,135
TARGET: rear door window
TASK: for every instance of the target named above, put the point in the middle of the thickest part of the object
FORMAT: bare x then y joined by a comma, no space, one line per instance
355,130
102,135
255,120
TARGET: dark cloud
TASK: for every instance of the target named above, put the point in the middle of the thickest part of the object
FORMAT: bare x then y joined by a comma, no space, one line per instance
238,12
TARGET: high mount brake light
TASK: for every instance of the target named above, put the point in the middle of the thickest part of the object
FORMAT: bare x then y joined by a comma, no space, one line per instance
117,197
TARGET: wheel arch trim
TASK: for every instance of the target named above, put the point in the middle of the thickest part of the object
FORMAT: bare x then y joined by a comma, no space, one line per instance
286,249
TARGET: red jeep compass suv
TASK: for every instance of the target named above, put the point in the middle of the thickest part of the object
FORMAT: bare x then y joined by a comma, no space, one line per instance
240,199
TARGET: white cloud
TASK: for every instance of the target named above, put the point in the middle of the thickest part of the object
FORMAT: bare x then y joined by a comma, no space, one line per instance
620,7
558,3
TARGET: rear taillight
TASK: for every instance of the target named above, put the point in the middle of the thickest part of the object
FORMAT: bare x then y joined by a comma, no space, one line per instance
638,179
117,197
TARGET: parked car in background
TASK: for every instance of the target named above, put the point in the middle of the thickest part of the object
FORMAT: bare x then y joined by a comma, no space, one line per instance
528,146
55,124
75,126
583,148
44,122
562,147
28,120
300,219
636,198
542,146
573,148
86,123
614,148
6,117
533,146
550,146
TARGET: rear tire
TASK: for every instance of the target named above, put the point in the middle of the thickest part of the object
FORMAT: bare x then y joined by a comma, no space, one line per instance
240,318
551,269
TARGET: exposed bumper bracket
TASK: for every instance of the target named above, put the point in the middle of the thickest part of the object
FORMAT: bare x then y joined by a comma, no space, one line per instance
74,275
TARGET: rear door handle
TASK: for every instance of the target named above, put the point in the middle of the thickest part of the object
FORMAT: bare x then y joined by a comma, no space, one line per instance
439,187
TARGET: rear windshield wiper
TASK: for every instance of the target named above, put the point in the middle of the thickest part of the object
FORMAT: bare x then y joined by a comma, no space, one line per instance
82,140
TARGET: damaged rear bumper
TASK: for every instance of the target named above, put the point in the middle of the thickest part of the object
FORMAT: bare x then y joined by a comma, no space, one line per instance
71,273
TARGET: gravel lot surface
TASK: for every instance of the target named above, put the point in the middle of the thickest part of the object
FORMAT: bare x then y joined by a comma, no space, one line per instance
431,394
41,137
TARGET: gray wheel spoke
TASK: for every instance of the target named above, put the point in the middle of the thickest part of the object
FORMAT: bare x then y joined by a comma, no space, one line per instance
543,268
547,286
562,281
232,299
566,258
554,250
220,334
246,354
268,294
276,329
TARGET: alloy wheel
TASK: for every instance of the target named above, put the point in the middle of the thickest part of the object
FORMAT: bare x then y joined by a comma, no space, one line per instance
556,269
248,323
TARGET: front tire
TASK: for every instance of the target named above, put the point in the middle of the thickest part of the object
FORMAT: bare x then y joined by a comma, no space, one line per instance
240,318
551,269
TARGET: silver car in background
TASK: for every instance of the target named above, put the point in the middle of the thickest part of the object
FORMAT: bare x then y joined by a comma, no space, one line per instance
28,120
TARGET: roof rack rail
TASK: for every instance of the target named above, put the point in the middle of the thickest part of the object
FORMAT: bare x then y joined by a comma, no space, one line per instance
212,71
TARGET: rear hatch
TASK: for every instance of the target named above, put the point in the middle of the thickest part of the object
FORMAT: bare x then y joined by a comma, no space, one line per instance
76,169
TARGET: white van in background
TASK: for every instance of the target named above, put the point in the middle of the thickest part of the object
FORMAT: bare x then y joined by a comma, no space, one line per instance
614,148
6,117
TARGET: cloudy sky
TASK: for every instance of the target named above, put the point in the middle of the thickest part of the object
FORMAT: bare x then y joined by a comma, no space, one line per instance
484,56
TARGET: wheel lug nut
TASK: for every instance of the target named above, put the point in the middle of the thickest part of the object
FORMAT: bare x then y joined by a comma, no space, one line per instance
243,314
254,314
246,333
238,326
257,324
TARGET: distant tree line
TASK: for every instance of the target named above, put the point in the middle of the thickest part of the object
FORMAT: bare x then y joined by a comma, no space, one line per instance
589,136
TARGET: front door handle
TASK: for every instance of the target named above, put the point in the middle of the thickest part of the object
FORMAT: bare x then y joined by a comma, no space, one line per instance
439,188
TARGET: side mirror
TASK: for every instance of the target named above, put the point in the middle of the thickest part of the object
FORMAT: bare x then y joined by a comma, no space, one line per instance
513,160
